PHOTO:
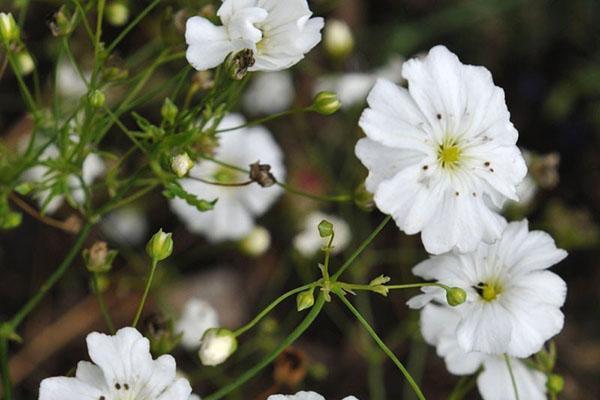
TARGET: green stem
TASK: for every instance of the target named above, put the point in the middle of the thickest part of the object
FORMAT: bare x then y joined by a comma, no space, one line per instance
270,307
266,119
6,382
512,376
138,314
249,374
102,304
131,25
361,248
382,345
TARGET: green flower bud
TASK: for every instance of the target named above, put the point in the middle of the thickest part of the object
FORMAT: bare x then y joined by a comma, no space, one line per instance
305,300
117,13
338,39
380,280
325,229
97,99
25,63
60,24
9,31
257,242
455,296
216,346
160,245
555,383
169,111
363,198
326,103
181,164
98,258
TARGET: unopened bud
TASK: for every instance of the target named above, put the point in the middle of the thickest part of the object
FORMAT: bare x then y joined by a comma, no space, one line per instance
555,384
338,39
9,31
160,246
181,164
98,258
326,103
161,333
117,13
25,63
257,242
325,229
363,198
455,296
305,300
60,23
261,174
97,99
216,346
169,111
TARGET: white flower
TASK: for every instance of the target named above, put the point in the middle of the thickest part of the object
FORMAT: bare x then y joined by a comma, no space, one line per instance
279,32
438,326
195,397
197,317
269,93
123,369
442,154
513,303
234,213
68,81
257,242
352,88
308,242
126,225
303,396
216,346
92,168
338,40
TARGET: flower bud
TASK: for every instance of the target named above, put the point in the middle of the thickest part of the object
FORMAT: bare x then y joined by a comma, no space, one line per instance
160,245
169,111
305,300
326,103
117,13
60,22
325,229
257,242
9,31
25,63
261,174
455,296
338,39
97,98
181,164
98,258
161,333
363,198
216,346
555,384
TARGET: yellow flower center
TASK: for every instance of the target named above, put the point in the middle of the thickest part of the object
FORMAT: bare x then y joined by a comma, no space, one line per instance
489,291
449,153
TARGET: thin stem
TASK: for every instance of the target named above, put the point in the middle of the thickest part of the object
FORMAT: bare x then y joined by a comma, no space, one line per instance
382,345
131,25
512,376
23,205
417,285
464,386
102,304
270,307
138,314
226,184
6,382
130,199
292,337
266,119
361,248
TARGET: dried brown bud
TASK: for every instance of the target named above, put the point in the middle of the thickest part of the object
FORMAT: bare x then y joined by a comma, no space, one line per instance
261,174
73,224
290,367
240,62
98,258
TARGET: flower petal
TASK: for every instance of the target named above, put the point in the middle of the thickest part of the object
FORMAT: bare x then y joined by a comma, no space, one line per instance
208,44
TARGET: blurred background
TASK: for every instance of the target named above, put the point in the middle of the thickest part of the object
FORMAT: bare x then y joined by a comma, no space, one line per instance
546,56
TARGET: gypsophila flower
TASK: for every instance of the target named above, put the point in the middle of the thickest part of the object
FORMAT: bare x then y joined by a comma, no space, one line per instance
308,242
196,318
269,93
442,154
68,81
123,369
278,32
127,225
216,346
513,303
303,396
237,207
438,326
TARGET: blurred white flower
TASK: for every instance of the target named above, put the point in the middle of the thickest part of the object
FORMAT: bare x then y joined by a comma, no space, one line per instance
195,397
257,242
513,303
123,369
216,346
127,225
442,155
338,39
303,396
269,93
279,32
68,81
197,317
308,242
92,168
352,88
438,326
237,207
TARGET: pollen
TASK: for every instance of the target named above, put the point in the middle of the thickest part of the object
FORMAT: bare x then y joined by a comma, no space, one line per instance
449,154
488,291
